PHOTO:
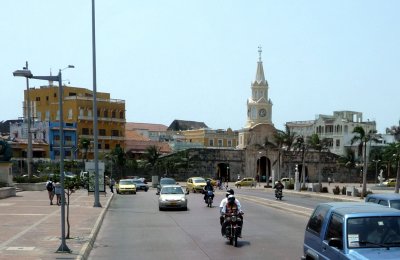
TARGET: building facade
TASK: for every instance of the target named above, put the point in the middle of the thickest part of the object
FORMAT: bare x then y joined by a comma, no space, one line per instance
78,109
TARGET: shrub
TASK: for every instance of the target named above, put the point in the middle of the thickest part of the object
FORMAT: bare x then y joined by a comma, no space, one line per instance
336,190
344,190
3,184
290,186
324,190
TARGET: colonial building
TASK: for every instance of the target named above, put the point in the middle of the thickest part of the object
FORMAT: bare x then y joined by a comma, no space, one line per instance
78,109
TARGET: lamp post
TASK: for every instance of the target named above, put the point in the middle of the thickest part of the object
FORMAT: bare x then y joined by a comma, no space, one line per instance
28,75
95,127
29,120
376,169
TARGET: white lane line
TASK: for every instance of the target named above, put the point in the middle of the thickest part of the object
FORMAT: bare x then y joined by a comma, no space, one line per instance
19,214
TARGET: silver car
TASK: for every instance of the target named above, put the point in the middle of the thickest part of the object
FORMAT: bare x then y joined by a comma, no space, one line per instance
172,197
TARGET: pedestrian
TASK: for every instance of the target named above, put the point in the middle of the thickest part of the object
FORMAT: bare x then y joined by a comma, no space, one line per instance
112,183
57,191
238,177
329,181
50,190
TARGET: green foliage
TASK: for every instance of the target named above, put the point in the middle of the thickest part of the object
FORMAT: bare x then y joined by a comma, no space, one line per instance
3,184
324,190
336,190
290,186
26,179
344,190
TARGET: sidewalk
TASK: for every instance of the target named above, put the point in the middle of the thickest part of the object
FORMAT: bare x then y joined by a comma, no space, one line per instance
31,228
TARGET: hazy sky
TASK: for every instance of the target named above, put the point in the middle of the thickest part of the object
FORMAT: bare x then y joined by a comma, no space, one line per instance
195,60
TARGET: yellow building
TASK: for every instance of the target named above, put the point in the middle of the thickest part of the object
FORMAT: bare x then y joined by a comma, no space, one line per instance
78,108
212,138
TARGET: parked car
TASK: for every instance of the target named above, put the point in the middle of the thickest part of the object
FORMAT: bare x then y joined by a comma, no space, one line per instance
352,230
172,196
165,181
390,182
125,186
245,182
391,200
140,185
195,184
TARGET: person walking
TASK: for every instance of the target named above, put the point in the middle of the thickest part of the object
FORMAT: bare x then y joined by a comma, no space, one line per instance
50,190
112,183
57,191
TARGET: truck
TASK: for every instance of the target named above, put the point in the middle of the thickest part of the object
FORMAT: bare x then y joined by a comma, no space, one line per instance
352,230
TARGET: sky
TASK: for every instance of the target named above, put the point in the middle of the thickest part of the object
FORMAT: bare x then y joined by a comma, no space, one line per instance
196,60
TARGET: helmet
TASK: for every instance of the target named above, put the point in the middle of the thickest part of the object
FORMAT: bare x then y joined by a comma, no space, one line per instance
231,199
231,192
227,194
208,182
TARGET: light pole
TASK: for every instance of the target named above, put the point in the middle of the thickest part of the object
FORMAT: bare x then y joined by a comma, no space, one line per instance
29,119
259,168
376,168
28,75
95,127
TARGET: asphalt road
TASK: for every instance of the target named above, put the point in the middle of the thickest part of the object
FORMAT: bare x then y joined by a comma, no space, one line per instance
134,228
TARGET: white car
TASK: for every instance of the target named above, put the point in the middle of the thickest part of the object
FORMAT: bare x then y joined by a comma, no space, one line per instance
172,197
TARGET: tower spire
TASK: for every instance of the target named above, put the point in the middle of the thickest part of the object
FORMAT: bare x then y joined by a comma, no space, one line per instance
259,52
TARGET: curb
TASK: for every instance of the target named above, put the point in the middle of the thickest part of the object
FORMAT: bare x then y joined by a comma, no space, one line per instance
87,247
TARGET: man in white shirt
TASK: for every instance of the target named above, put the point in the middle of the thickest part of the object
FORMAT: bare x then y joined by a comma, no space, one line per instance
223,204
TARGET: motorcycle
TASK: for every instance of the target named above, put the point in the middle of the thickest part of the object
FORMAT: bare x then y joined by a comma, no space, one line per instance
278,194
233,227
209,198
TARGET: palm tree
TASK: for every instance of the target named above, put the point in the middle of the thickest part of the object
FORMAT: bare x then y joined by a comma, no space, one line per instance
392,154
302,146
363,137
320,146
348,160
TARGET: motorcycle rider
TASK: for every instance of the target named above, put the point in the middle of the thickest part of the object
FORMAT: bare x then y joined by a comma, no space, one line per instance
223,203
231,207
207,188
278,187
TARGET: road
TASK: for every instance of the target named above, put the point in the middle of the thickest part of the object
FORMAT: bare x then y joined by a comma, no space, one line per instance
134,228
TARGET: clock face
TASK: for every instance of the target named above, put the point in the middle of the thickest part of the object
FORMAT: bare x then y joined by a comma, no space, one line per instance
262,112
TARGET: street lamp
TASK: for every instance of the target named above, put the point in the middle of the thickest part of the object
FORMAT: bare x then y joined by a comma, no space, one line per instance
28,75
376,168
28,118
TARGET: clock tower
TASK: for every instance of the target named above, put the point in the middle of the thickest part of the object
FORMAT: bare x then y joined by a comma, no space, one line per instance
259,107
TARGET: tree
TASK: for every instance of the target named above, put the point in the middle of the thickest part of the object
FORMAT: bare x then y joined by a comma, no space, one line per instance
152,154
84,145
348,160
394,130
70,185
363,138
320,146
302,146
119,158
391,154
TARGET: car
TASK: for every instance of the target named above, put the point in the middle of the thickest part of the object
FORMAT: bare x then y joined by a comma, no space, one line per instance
352,230
391,200
125,186
245,182
140,185
165,181
390,182
172,196
195,184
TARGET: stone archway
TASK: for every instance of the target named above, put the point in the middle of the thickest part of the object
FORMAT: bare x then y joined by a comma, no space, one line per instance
263,168
223,172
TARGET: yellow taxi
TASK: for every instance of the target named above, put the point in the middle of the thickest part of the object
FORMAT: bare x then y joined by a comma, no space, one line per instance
195,184
245,182
390,182
125,186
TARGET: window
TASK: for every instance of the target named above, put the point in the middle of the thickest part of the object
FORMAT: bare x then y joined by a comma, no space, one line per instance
47,98
220,142
211,142
70,113
335,228
102,132
315,223
81,112
47,115
107,146
85,131
37,99
113,114
68,138
56,137
121,114
114,133
337,143
229,143
105,113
